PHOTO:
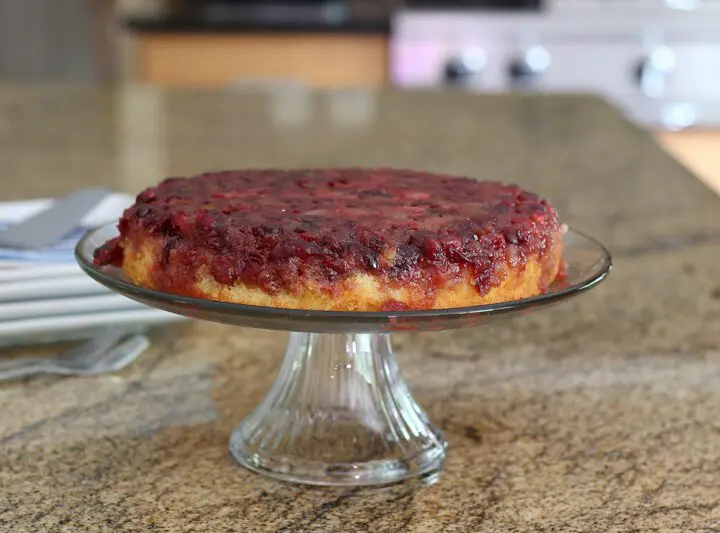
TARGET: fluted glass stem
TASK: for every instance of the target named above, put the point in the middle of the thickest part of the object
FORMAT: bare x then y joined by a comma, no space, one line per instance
339,413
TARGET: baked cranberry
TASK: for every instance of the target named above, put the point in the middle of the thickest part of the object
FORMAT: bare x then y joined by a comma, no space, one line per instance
109,253
226,268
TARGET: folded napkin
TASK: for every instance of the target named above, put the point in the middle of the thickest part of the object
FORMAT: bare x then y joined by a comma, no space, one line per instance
45,296
108,210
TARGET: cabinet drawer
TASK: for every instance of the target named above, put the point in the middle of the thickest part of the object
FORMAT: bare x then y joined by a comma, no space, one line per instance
212,60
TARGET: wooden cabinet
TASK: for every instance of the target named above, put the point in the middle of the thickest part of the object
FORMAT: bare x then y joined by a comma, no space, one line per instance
699,150
320,60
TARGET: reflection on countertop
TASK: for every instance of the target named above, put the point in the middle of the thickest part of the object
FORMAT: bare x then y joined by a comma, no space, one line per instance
595,415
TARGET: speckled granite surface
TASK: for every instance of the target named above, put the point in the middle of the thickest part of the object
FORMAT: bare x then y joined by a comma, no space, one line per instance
599,415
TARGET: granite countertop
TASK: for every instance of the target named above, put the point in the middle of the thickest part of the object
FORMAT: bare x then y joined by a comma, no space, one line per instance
597,415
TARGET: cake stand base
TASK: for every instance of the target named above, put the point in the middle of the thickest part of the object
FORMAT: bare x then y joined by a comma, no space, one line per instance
339,413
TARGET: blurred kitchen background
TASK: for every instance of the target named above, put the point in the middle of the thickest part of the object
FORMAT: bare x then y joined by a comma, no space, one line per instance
657,60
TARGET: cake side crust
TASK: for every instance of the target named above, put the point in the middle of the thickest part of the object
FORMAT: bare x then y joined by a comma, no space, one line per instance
359,292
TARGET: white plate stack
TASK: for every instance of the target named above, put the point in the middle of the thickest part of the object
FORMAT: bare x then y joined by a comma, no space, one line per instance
45,296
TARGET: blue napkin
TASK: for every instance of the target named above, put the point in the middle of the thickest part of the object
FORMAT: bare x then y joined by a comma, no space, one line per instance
62,252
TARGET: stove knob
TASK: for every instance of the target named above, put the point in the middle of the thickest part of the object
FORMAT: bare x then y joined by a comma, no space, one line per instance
464,69
527,69
651,71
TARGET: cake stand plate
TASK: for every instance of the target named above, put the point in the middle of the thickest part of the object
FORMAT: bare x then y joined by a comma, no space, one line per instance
340,412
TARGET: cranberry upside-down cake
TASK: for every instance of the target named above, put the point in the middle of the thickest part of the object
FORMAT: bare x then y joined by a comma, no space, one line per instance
339,239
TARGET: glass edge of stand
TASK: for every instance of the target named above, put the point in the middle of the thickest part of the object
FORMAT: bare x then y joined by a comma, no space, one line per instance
355,318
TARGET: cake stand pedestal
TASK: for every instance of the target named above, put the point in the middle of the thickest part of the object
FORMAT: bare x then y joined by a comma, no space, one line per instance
340,412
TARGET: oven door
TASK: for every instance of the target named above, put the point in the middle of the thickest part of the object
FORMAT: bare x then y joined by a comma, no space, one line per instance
527,5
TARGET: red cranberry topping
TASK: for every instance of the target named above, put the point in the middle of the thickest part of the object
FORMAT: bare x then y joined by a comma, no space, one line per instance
272,228
109,253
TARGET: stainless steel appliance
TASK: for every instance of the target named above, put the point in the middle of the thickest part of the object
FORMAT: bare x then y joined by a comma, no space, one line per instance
657,60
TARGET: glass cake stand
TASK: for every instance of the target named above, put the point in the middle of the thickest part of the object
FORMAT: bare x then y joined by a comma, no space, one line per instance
340,412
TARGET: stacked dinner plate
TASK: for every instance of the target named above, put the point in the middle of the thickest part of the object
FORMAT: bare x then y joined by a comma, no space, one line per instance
44,296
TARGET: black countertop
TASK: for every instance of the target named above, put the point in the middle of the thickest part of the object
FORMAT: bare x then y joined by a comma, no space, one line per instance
198,24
